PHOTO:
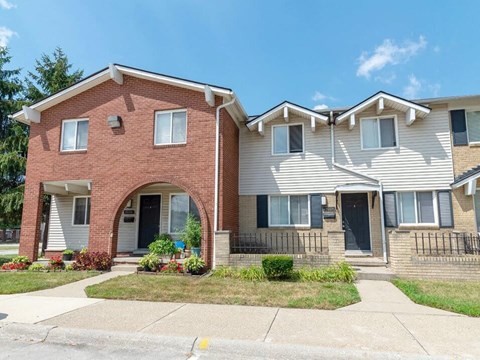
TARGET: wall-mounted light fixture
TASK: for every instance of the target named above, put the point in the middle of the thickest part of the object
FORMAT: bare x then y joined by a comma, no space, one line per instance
114,121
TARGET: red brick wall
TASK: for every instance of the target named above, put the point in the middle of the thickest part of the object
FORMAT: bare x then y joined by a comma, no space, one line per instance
119,162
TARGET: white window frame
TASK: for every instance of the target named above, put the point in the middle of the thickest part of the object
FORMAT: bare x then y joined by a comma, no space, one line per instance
170,211
270,225
377,118
436,215
171,112
469,110
76,133
288,153
86,207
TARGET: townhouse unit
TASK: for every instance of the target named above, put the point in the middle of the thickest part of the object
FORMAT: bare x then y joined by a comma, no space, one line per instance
126,154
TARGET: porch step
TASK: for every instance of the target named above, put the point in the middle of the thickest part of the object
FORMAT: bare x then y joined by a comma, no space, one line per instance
125,267
365,261
130,260
374,273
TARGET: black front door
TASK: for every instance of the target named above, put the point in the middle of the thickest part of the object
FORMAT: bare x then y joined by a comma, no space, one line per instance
149,223
356,222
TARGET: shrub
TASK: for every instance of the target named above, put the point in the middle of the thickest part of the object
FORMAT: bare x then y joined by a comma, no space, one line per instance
69,267
194,264
56,262
277,266
252,273
150,262
163,245
10,266
225,272
21,260
36,267
68,252
192,233
340,272
172,267
87,260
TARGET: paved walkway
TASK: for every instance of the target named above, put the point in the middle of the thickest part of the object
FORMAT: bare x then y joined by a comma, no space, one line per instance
385,320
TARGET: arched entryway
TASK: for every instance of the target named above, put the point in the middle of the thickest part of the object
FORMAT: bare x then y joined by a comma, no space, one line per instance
155,207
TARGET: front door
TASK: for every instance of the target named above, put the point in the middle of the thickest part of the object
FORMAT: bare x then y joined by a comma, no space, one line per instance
149,223
356,222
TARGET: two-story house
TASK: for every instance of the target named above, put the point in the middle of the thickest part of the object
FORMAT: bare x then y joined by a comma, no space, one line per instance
127,153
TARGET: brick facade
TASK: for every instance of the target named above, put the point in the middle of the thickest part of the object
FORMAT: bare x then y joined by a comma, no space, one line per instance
120,162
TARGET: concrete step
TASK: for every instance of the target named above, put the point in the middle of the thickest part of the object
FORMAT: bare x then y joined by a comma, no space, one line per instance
365,261
125,267
374,273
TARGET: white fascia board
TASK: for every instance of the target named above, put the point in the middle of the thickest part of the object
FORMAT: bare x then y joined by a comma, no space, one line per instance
115,75
362,106
466,181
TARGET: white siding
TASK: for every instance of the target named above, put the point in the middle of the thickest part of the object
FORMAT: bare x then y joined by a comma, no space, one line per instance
61,233
423,159
264,173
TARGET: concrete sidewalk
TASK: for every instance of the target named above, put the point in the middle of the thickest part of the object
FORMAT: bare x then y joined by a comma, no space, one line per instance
385,320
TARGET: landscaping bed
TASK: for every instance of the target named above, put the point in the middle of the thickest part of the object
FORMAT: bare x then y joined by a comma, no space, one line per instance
456,296
15,282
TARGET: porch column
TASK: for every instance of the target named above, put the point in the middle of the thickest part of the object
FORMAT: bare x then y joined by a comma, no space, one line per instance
222,248
31,220
336,245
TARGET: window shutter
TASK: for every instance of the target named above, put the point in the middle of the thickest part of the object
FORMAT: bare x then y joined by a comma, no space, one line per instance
262,211
316,211
459,127
296,142
445,209
390,209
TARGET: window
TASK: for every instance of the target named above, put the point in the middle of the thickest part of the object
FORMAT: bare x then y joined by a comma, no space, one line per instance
74,135
81,210
287,139
473,126
378,133
289,210
416,207
170,127
180,206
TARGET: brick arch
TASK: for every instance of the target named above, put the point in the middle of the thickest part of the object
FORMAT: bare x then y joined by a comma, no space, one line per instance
168,180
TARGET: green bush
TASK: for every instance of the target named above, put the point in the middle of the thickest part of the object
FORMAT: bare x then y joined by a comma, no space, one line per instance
68,252
69,267
339,272
252,273
37,267
194,264
277,266
163,245
150,262
21,260
225,272
192,234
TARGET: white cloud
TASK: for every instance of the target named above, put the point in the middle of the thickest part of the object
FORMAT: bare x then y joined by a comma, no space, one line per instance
318,96
5,35
320,107
388,53
413,88
386,79
4,4
436,49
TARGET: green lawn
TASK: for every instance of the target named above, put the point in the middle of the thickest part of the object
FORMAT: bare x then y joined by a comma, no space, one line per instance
212,290
457,296
21,282
8,247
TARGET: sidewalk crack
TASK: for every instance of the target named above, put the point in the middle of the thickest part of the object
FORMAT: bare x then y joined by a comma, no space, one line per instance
271,324
48,333
163,317
411,334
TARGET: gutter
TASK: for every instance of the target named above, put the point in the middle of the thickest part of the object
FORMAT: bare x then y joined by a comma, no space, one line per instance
355,172
217,171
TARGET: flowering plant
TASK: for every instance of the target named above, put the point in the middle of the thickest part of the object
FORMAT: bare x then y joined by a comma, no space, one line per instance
10,266
56,262
172,267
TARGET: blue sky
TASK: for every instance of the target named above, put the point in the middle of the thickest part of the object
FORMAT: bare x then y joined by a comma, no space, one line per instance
313,53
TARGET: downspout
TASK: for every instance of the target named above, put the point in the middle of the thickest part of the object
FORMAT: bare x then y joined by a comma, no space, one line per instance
217,172
335,164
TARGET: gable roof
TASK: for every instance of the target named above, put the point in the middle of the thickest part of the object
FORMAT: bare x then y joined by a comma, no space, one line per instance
390,100
469,175
115,70
279,110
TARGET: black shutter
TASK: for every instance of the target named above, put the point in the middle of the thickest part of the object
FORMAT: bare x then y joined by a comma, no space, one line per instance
192,209
262,211
316,211
296,141
445,208
390,209
459,127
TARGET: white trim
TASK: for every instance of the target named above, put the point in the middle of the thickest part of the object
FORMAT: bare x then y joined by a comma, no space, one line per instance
171,112
76,133
288,153
170,211
137,227
466,124
299,226
86,210
436,215
378,118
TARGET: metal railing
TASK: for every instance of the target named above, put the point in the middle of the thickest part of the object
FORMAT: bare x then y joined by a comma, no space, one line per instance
442,244
278,243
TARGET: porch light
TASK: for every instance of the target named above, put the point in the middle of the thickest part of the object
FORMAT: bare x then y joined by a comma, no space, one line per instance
114,121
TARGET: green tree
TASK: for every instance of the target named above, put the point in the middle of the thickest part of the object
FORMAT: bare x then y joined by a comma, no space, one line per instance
13,144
